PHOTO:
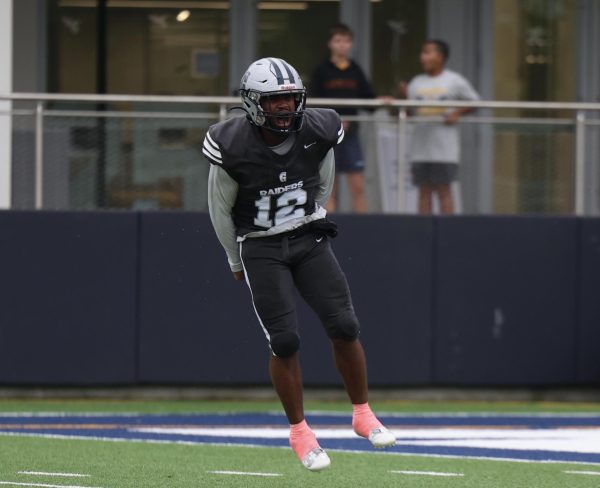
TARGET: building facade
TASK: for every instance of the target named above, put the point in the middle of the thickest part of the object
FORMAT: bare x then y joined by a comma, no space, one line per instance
543,50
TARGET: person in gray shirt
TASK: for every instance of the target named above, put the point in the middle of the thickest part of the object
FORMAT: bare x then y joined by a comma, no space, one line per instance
434,150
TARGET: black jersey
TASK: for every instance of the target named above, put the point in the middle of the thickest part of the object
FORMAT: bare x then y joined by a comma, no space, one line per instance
329,81
272,189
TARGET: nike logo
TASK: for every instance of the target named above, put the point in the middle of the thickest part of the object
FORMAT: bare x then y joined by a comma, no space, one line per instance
306,146
319,239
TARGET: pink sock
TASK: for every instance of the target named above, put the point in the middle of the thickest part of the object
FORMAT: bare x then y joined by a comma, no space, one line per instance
302,439
364,420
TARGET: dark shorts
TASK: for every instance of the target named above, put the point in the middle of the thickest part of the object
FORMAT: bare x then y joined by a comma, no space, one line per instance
276,265
348,154
424,173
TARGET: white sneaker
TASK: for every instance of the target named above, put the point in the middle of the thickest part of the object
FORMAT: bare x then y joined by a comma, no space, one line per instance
317,459
381,437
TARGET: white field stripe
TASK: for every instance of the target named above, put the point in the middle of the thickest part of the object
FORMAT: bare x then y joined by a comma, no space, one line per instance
547,440
42,485
427,473
589,473
66,475
245,473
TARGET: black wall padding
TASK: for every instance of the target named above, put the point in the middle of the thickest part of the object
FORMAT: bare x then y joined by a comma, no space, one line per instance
505,301
129,298
588,370
197,322
387,261
67,297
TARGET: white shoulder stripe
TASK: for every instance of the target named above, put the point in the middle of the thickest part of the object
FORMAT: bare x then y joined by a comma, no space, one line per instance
216,153
341,130
340,136
211,157
211,141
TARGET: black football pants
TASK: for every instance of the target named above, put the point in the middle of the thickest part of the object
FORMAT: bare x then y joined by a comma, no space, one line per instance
275,265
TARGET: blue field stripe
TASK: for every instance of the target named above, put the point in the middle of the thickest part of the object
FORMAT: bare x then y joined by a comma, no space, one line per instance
118,427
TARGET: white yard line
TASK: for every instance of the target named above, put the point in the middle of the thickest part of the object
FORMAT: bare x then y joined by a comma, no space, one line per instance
41,485
427,473
244,473
66,475
589,473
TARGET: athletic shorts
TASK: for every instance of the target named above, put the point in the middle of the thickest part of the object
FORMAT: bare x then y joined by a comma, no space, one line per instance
425,173
275,265
348,154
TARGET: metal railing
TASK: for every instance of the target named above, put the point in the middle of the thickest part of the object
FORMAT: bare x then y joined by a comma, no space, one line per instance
577,119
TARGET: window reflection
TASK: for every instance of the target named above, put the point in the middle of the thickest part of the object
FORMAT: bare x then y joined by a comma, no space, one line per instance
298,35
153,47
399,28
535,42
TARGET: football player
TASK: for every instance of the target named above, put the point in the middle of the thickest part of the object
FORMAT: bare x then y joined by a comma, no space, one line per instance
270,176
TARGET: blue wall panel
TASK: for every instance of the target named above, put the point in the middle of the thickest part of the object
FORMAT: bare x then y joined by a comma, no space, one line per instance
67,297
197,322
505,301
387,260
148,298
589,302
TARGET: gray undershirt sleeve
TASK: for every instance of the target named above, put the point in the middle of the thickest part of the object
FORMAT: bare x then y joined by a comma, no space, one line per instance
326,178
222,193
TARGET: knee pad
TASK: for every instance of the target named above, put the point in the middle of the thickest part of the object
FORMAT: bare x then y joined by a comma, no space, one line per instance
344,326
284,344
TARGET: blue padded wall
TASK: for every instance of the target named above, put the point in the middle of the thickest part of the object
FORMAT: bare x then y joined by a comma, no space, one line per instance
505,301
68,295
588,370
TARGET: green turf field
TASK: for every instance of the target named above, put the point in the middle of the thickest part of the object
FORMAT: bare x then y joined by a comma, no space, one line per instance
111,464
187,406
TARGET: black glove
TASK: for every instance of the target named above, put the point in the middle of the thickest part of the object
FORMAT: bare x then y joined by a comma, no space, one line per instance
324,227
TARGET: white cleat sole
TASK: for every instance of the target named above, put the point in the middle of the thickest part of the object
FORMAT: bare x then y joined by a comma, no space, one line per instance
316,460
381,438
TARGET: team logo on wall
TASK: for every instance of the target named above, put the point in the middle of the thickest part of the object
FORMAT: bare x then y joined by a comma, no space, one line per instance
283,176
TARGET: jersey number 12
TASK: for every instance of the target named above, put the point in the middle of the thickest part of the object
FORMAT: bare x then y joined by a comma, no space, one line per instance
286,205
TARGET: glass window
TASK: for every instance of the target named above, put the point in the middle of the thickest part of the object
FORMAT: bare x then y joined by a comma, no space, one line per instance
296,32
399,29
72,29
138,162
151,49
168,51
534,43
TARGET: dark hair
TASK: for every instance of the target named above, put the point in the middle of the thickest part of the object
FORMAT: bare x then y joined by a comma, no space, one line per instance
340,29
442,47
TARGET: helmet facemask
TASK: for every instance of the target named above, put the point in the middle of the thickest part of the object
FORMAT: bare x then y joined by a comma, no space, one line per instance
253,100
